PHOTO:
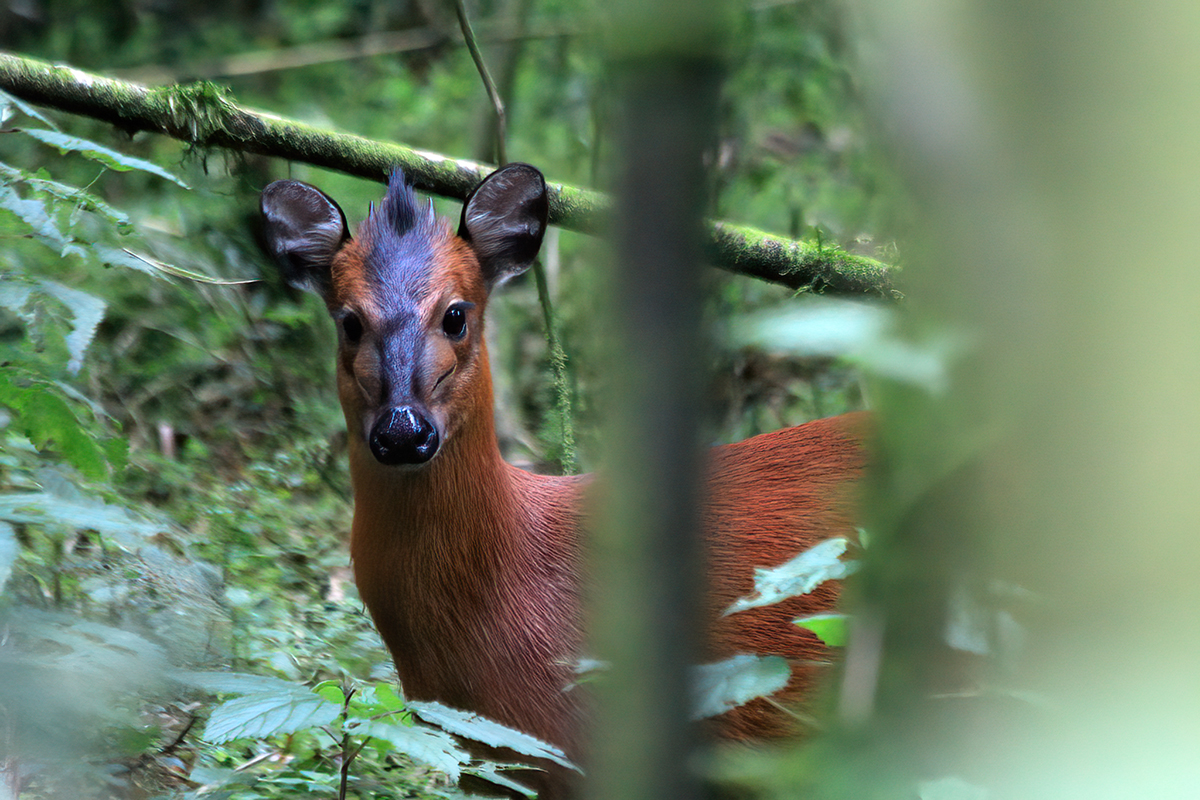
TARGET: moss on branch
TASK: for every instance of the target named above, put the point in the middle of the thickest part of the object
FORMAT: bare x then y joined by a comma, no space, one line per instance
202,114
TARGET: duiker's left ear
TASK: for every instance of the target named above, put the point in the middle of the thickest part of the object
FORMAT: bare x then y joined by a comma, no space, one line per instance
504,220
303,229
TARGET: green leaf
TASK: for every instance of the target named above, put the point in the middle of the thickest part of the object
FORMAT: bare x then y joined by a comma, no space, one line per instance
427,745
829,628
34,214
801,575
730,683
86,311
254,716
49,423
386,696
70,194
481,729
109,158
331,691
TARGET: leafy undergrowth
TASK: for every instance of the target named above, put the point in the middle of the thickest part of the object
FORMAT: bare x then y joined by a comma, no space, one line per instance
178,617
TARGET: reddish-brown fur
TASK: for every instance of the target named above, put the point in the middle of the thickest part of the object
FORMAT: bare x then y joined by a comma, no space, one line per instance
469,566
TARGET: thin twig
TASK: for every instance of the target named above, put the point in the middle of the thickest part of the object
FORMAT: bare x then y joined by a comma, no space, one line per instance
558,356
347,756
488,84
174,745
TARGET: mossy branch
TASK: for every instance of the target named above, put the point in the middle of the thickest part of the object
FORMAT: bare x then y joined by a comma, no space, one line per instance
202,114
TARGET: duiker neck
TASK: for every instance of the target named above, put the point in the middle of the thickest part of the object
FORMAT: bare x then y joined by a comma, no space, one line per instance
465,488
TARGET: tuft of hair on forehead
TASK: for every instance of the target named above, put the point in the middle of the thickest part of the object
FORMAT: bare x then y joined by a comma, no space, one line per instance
400,216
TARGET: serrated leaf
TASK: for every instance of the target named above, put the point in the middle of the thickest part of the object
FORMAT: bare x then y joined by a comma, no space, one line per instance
9,550
33,213
718,687
69,194
87,311
829,628
489,732
427,745
49,423
799,576
106,156
254,716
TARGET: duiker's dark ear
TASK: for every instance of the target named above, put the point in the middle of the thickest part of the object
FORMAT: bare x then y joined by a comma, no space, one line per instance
504,220
303,230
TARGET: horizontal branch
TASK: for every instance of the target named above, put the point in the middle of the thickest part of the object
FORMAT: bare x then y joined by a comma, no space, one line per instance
201,114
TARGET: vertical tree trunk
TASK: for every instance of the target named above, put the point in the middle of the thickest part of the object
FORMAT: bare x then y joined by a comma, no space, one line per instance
646,603
1076,418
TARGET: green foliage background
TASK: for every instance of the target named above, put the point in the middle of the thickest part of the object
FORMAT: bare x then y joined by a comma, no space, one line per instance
172,492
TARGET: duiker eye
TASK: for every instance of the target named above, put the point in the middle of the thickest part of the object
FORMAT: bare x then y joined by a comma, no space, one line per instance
454,323
352,326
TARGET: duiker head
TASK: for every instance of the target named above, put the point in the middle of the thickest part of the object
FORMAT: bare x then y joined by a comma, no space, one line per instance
408,295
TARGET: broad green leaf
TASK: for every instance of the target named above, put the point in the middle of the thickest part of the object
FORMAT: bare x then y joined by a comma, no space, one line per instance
49,423
481,729
387,697
331,691
829,628
427,745
9,550
86,310
730,683
108,157
801,575
269,714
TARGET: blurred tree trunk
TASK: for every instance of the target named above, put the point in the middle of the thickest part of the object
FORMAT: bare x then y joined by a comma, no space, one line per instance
645,609
1059,481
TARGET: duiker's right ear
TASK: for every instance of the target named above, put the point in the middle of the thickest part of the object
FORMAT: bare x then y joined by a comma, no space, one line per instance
504,220
304,228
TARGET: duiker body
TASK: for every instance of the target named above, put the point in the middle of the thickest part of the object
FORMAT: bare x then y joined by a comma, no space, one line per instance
468,565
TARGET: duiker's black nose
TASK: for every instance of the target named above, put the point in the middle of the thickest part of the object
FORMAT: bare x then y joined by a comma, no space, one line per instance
403,435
